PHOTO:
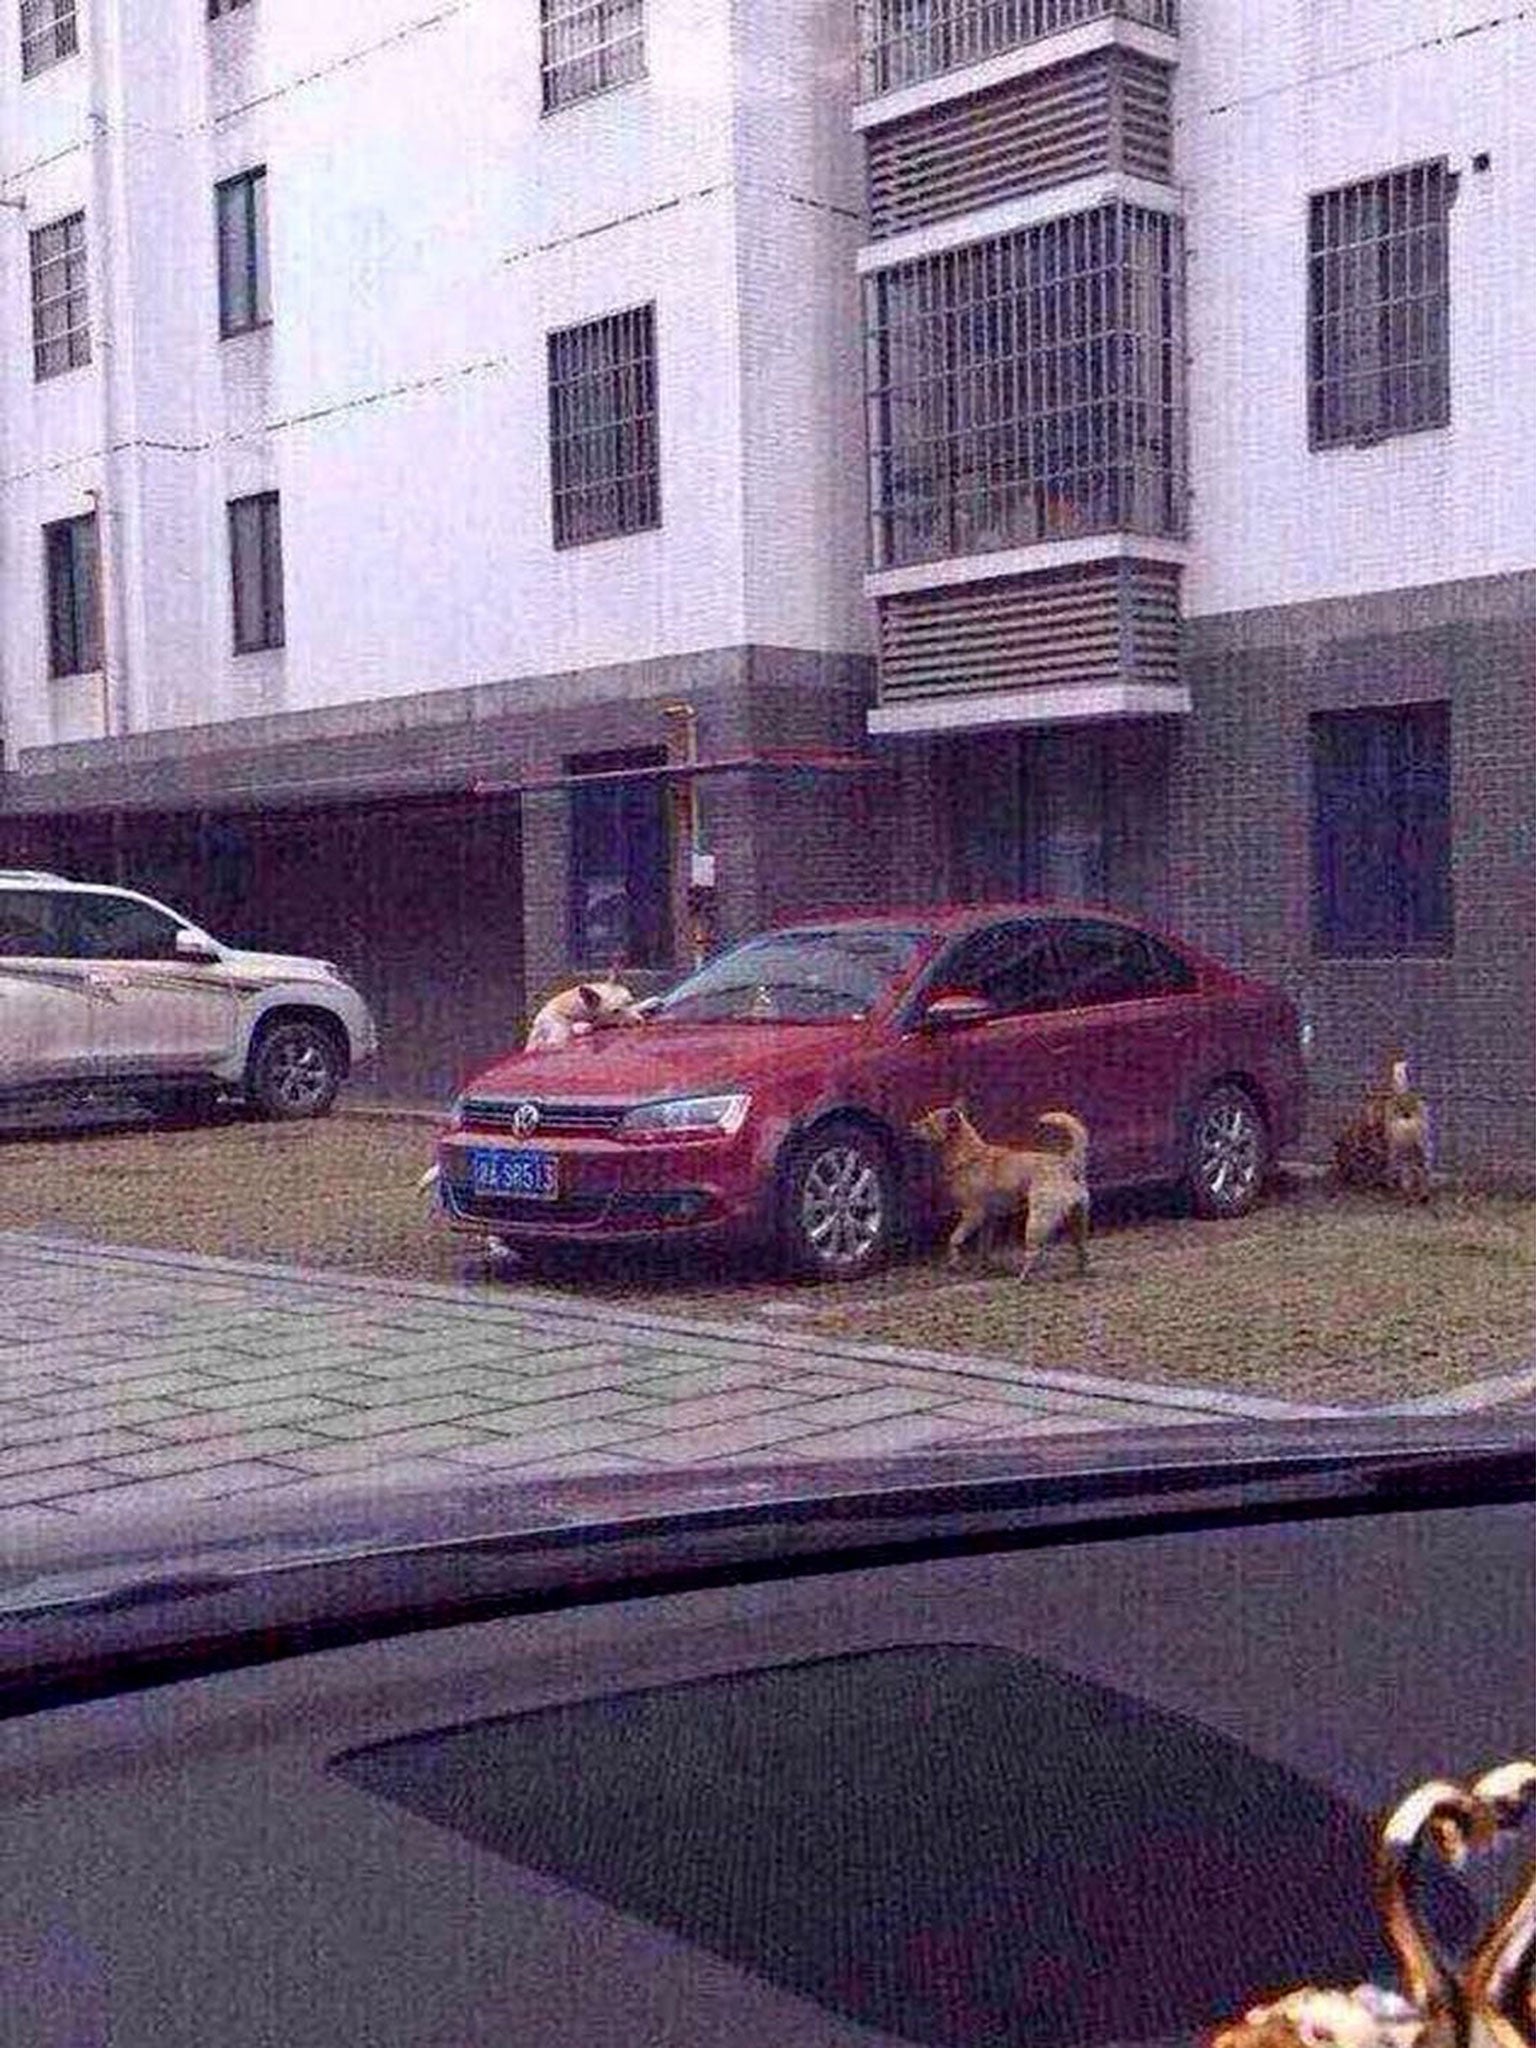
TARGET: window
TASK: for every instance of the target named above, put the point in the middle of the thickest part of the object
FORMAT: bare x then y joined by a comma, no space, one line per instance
256,572
1111,963
28,925
48,32
1013,966
61,333
1378,307
906,40
218,7
621,869
118,928
1028,388
245,299
74,596
589,46
604,469
1382,830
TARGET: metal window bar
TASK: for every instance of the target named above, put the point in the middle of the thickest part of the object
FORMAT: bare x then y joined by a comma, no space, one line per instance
589,46
903,41
1028,388
61,333
49,32
240,206
604,457
256,572
74,602
1379,306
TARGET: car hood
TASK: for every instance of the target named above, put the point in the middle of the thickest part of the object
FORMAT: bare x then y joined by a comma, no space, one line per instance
276,966
635,1062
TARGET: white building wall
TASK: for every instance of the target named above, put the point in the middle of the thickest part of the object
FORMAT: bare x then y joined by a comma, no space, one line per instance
800,201
428,228
1279,99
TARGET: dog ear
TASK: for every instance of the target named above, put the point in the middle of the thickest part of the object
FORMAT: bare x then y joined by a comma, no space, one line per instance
591,999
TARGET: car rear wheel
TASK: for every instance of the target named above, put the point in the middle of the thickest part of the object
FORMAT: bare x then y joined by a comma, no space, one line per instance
295,1070
1228,1158
839,1202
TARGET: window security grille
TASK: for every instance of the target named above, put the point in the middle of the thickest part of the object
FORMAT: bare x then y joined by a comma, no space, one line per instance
604,461
74,596
49,32
256,571
61,332
589,46
1381,830
245,294
1028,388
903,41
1379,306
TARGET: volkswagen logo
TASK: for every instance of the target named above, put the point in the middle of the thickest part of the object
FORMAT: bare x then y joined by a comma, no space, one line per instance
525,1119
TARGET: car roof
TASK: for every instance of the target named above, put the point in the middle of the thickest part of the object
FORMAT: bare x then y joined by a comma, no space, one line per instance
956,917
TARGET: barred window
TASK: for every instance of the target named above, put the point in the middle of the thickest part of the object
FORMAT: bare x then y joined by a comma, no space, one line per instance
1381,830
589,46
1379,306
61,332
256,571
71,565
903,41
48,32
245,294
1028,388
604,459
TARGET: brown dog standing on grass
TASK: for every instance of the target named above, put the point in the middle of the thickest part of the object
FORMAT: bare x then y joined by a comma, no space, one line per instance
1387,1144
1045,1190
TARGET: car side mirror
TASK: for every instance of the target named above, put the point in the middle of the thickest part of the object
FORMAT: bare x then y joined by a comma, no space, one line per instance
192,945
950,1011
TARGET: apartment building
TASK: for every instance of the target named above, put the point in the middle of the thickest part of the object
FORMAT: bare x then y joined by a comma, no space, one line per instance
520,482
1202,367
430,499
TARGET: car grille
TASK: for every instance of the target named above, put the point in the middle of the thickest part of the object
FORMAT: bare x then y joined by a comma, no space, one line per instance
495,1113
631,1209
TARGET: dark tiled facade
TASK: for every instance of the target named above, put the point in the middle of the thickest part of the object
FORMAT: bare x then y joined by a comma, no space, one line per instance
1242,867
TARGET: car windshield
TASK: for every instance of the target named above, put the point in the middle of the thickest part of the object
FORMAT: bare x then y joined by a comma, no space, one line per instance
797,977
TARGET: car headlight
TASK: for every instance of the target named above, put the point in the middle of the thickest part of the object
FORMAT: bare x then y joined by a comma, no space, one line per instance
722,1115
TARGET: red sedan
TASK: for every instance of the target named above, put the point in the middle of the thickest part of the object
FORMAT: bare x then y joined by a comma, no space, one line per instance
771,1092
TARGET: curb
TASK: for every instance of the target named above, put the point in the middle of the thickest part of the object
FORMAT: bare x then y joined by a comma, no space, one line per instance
1192,1402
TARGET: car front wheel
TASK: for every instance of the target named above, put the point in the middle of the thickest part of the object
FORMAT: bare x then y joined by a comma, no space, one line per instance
1228,1158
839,1212
295,1070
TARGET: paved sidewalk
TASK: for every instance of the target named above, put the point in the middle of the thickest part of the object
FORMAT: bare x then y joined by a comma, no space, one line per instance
133,1381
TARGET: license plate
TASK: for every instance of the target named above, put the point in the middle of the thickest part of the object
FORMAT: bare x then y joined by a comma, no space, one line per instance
532,1175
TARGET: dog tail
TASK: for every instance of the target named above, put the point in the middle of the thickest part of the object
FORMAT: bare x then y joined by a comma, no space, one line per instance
1076,1134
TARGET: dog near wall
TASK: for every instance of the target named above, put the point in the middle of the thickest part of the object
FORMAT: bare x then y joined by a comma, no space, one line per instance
1386,1144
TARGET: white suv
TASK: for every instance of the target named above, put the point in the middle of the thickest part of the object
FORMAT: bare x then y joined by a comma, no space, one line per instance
106,989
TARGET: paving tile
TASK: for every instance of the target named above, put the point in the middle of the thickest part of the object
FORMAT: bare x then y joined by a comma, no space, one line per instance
537,1444
377,1452
690,1412
70,1449
134,1497
876,1438
388,1420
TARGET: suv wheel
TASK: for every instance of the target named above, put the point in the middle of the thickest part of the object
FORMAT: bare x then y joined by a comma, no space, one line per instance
839,1202
1227,1162
294,1070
